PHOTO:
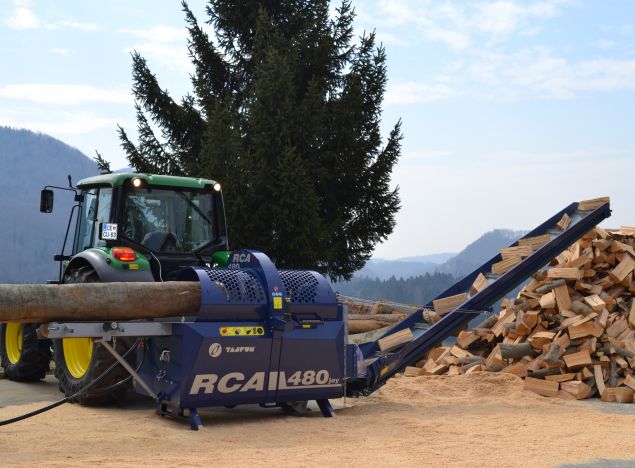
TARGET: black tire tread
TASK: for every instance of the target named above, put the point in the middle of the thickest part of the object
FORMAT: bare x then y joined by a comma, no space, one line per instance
101,360
35,357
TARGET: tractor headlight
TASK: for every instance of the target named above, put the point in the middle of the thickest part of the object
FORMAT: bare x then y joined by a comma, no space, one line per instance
136,182
217,187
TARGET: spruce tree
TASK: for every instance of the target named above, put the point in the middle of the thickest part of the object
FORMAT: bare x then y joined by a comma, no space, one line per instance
285,112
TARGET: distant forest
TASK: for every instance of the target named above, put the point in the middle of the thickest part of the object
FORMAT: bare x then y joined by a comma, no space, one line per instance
417,290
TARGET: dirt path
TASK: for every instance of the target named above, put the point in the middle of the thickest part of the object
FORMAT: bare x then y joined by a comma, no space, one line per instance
477,420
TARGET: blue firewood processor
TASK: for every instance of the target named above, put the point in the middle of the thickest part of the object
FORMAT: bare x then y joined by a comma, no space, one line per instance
278,338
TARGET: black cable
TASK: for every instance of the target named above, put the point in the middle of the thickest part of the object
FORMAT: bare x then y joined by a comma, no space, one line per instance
123,381
75,395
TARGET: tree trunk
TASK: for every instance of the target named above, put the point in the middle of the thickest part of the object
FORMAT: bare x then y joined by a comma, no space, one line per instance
39,303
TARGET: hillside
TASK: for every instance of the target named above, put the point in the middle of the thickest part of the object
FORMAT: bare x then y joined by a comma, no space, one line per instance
479,251
417,280
402,267
30,161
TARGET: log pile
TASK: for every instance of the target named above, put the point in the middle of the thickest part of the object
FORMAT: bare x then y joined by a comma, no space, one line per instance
366,315
569,333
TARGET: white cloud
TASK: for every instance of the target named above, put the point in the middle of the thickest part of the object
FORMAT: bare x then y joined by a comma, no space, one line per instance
530,73
460,25
65,94
605,44
22,17
165,45
56,122
412,92
61,51
73,24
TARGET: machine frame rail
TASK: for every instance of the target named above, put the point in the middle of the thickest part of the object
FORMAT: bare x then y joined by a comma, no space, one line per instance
382,366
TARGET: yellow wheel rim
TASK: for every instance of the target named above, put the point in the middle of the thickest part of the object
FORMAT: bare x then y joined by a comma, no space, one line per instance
77,355
13,341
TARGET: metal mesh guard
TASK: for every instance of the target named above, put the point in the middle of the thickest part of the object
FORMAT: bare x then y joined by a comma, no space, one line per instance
301,286
238,285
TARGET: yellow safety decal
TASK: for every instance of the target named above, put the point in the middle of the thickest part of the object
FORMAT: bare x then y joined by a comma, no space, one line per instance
277,302
383,371
306,325
133,266
242,331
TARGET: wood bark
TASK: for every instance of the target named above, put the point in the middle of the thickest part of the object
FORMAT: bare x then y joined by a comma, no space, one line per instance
516,351
38,303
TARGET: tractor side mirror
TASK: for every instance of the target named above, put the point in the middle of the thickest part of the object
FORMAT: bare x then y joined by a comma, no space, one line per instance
46,201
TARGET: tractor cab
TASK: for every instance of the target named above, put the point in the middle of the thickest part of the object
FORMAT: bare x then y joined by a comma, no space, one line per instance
142,227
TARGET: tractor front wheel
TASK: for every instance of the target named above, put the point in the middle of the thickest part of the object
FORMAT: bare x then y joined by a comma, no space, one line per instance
24,357
79,361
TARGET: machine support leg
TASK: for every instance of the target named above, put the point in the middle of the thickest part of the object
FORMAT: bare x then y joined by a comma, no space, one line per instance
195,420
129,368
326,408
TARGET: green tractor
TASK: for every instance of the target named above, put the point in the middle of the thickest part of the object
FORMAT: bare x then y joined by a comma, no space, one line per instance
128,227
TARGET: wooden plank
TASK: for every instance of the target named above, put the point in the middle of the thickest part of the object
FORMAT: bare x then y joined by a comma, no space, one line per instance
564,222
624,268
623,395
608,395
585,330
631,315
578,389
579,359
499,328
617,327
465,339
436,353
518,251
542,387
586,205
626,231
595,302
411,371
562,297
630,381
564,273
505,265
530,318
395,340
599,379
560,377
548,301
519,369
479,283
535,242
447,304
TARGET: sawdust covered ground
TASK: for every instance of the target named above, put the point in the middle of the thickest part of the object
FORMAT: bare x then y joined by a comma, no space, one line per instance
477,420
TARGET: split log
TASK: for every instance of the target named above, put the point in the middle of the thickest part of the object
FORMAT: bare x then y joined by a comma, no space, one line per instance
395,340
552,356
549,286
516,351
39,303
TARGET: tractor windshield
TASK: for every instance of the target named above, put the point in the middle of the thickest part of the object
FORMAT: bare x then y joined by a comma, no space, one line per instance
169,220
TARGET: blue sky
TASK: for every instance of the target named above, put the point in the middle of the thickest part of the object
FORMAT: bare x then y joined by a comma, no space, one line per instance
511,109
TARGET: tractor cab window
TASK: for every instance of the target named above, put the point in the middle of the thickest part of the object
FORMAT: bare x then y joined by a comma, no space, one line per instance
95,210
85,230
168,220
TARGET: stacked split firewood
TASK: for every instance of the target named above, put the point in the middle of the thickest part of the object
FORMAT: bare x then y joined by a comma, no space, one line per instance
570,332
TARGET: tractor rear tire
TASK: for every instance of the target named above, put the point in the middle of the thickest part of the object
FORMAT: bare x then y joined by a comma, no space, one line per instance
24,357
79,361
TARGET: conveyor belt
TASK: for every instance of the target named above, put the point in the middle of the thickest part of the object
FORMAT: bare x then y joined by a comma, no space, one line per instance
381,366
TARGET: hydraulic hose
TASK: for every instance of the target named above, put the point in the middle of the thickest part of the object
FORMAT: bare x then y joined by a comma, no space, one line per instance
76,394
